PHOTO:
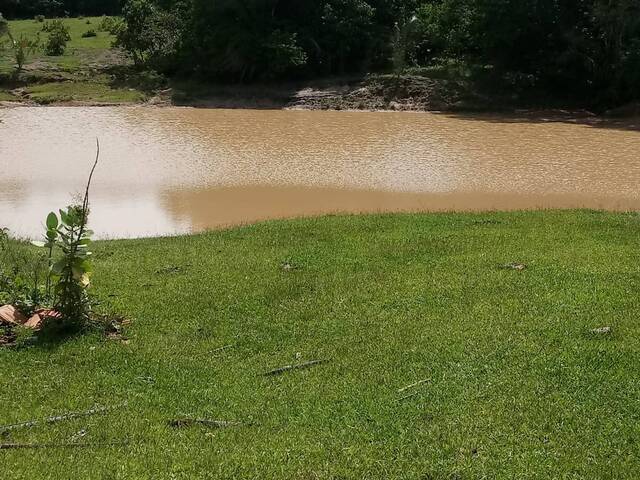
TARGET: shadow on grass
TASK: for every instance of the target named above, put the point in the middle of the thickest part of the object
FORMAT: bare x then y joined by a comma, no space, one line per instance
51,338
50,341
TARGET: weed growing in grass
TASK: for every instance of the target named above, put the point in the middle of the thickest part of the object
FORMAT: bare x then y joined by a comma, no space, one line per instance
70,272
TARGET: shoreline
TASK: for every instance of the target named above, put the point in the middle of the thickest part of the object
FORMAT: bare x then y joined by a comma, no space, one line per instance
375,93
543,115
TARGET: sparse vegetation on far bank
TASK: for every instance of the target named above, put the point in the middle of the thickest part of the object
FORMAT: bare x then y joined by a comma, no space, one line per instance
88,70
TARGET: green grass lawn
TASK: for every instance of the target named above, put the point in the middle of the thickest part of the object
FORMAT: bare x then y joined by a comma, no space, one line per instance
81,74
78,48
82,92
6,96
517,385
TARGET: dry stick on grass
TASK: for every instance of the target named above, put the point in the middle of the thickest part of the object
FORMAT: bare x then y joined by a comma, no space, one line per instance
404,389
16,446
60,418
287,368
189,422
221,349
407,397
215,350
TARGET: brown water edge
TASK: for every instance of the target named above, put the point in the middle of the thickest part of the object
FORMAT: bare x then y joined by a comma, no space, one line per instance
206,209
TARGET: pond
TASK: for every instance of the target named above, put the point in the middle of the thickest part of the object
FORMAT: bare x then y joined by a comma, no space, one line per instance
165,171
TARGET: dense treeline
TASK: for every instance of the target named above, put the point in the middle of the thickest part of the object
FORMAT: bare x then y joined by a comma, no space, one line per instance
58,8
587,48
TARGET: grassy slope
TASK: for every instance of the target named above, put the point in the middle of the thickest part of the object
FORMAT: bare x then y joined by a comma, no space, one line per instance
518,386
78,75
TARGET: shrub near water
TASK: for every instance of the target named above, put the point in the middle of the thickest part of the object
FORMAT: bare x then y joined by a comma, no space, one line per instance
70,235
71,271
58,37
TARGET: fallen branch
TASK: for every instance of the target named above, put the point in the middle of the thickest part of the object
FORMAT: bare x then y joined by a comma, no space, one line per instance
514,266
404,389
406,397
15,446
287,368
189,422
60,418
221,349
214,351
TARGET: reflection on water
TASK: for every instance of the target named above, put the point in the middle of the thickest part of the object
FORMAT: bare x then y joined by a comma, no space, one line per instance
219,207
173,170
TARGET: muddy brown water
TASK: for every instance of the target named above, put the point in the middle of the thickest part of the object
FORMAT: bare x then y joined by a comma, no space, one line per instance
175,170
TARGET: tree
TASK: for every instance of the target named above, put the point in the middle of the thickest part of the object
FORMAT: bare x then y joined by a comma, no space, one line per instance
150,34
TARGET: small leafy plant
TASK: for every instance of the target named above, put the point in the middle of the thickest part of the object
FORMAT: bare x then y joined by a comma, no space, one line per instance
68,278
89,33
23,48
71,271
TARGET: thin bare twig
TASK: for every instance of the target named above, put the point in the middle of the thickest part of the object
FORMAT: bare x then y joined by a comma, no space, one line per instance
15,446
287,368
59,418
404,389
85,203
188,422
220,349
406,397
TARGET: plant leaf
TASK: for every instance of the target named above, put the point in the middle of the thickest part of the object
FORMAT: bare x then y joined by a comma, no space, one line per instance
64,217
52,221
58,267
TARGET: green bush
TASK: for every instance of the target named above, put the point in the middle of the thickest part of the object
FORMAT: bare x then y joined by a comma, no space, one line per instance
89,34
149,34
58,37
39,18
111,25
